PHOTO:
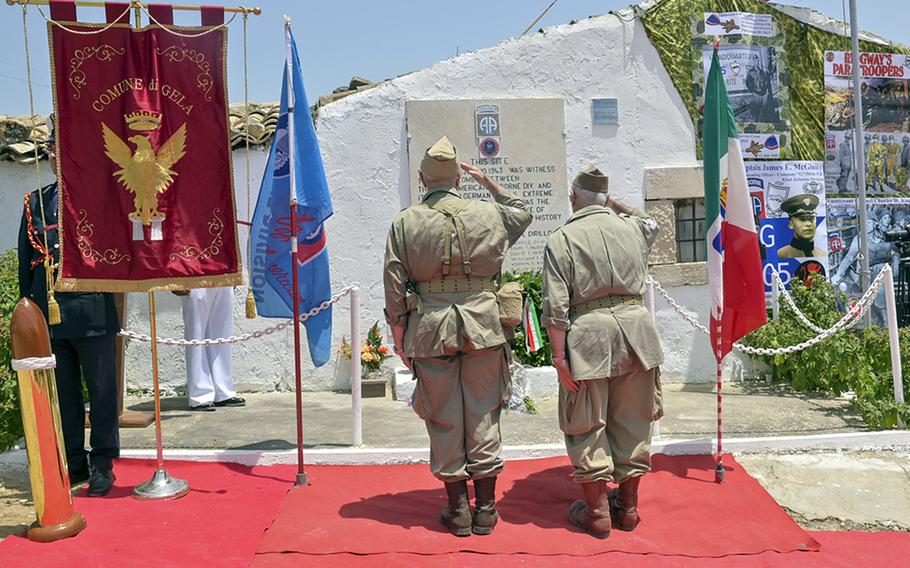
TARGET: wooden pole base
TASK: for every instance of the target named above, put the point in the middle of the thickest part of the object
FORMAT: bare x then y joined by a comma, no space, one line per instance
66,529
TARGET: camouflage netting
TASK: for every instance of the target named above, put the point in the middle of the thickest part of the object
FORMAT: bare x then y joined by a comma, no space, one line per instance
668,27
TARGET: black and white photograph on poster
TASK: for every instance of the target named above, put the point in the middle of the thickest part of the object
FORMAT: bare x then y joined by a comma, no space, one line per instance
750,75
887,156
883,216
789,205
886,121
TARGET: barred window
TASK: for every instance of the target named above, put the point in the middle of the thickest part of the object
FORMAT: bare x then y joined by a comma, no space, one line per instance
690,230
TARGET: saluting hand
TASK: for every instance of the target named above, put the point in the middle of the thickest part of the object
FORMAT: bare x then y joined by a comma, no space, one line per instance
475,172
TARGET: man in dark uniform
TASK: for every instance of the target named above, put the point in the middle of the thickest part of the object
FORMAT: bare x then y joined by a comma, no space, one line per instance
801,209
83,343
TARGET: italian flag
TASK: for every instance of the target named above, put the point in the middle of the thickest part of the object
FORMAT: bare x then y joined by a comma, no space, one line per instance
734,261
531,326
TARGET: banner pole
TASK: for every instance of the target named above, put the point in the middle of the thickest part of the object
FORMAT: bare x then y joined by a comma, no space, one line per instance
295,277
859,156
719,468
161,485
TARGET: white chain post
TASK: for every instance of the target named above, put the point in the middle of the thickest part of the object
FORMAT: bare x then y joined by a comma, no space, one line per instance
356,400
896,370
775,295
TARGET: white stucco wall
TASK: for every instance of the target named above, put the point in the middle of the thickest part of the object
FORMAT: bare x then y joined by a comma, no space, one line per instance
364,144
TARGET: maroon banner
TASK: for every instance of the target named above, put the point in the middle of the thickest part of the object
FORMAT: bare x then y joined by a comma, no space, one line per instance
144,164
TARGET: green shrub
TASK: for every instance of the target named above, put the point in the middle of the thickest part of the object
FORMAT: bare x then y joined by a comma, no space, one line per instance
857,360
10,417
531,283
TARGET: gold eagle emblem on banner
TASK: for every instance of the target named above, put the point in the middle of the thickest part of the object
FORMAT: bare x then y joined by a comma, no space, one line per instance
144,173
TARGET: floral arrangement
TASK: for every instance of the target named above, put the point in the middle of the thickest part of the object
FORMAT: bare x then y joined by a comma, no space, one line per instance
373,352
345,348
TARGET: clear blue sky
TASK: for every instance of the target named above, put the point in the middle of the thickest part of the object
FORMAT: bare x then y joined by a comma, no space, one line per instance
370,38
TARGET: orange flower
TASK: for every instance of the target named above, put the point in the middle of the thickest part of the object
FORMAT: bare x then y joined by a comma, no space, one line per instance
384,350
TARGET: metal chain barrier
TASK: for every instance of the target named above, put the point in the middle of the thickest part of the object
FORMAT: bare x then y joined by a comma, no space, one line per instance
853,316
246,336
776,281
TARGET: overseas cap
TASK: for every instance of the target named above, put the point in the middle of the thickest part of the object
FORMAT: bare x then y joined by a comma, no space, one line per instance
802,205
440,160
592,179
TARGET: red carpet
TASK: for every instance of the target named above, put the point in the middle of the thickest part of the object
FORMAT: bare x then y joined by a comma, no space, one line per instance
218,524
838,550
394,509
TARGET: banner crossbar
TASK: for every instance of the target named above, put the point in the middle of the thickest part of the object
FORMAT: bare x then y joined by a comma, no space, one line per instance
256,11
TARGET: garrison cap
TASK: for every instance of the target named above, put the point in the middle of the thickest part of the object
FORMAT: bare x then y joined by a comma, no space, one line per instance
592,179
440,161
802,205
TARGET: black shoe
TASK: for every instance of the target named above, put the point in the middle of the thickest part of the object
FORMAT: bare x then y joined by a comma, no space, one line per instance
79,478
233,401
204,407
101,482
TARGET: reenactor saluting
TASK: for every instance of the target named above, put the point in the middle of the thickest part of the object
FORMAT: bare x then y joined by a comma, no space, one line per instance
605,349
443,257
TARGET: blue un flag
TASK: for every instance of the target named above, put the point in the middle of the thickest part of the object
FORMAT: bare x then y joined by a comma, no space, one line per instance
271,276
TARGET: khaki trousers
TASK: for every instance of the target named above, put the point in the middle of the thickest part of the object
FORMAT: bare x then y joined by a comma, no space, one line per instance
607,425
460,397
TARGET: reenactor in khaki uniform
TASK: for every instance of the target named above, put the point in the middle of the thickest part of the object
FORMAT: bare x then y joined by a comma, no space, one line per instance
801,210
892,158
443,257
605,349
876,165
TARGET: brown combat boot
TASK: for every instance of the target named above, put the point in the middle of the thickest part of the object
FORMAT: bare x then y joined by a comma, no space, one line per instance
457,515
624,504
485,514
593,514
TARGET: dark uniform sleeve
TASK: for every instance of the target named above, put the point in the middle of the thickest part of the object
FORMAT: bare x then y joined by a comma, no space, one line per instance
25,258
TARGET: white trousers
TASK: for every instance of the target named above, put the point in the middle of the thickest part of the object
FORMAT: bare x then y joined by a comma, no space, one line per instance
208,314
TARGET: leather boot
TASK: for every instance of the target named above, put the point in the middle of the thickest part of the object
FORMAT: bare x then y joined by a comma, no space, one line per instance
593,513
457,515
485,514
624,504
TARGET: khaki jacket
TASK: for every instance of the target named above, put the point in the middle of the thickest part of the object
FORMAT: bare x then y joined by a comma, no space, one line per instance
599,253
445,323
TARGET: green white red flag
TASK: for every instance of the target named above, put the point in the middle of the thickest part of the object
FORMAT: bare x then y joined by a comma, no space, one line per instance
734,261
531,326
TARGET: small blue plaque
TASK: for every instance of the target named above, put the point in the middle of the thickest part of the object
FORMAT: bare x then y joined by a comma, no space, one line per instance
605,111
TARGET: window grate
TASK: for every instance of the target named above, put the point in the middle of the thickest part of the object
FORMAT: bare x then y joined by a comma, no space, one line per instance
690,230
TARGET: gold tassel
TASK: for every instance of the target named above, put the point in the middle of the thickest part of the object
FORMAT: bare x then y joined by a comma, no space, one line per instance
250,304
53,309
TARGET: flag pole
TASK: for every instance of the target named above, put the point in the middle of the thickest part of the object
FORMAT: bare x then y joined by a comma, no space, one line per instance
719,467
301,473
